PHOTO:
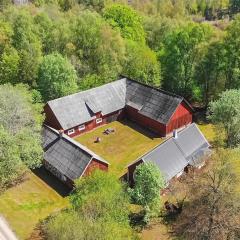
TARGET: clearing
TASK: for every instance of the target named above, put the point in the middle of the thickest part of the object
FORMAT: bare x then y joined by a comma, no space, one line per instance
126,144
25,204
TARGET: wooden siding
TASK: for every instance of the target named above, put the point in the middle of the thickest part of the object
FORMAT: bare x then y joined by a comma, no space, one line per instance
50,118
131,170
181,118
118,115
95,164
134,115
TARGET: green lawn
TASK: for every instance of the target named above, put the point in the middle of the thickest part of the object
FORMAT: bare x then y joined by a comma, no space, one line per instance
122,147
27,203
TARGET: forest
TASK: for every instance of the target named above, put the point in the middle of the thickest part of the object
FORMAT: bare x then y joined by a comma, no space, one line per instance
53,48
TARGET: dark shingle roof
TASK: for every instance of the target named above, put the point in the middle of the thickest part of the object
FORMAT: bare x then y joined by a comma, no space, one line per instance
65,154
79,108
153,103
175,154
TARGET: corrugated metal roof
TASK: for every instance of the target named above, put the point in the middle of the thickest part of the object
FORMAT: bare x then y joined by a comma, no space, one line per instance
79,108
175,154
65,154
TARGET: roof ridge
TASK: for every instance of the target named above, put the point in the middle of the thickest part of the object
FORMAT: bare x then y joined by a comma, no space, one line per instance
84,91
155,88
77,144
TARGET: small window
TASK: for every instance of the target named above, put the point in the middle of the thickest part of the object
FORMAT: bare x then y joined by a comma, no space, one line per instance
71,131
98,120
81,127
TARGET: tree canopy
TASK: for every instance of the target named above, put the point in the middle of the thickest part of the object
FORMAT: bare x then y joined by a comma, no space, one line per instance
57,77
20,124
99,209
226,113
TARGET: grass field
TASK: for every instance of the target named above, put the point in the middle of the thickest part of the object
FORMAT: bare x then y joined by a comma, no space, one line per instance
28,202
122,147
34,199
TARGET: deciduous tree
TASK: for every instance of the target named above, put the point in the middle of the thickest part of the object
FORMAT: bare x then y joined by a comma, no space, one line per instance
226,113
57,77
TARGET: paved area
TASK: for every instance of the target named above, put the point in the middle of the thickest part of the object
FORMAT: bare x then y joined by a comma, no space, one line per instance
5,232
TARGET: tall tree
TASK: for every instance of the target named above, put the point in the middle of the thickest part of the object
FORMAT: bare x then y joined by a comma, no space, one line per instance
231,57
226,113
20,124
213,211
148,184
127,21
179,58
99,210
141,64
100,50
57,77
25,40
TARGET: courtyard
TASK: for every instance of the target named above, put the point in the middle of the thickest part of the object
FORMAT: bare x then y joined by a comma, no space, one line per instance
121,147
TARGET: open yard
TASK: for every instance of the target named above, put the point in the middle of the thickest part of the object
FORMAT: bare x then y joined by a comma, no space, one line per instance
28,202
38,196
120,148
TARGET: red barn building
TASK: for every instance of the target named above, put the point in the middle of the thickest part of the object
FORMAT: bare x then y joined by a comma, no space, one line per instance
152,108
67,159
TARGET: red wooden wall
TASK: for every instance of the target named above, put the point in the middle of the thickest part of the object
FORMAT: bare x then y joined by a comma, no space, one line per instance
146,122
95,164
181,117
118,115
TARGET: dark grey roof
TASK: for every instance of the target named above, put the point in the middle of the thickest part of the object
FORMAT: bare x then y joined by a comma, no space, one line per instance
153,103
79,108
173,155
65,154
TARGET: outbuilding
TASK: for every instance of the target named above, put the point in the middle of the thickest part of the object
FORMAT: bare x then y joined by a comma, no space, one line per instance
67,159
155,109
187,147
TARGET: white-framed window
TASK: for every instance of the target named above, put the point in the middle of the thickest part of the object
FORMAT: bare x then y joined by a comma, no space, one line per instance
81,127
98,120
71,131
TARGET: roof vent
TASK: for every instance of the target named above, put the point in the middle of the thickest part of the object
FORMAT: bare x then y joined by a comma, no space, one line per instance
175,134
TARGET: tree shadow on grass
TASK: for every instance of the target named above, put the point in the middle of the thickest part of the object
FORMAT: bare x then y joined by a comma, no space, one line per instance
52,181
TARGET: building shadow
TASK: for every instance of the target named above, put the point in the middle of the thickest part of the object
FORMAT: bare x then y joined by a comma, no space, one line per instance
52,181
135,126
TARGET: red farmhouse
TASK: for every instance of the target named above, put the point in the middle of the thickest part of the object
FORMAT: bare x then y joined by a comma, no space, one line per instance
155,109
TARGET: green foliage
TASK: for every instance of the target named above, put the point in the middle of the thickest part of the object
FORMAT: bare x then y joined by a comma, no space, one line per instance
99,209
148,183
141,64
231,58
9,65
210,72
179,58
20,124
10,162
100,50
101,194
127,21
97,5
57,77
25,40
226,113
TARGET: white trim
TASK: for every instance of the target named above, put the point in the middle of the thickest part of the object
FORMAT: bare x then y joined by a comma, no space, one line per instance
180,173
98,120
71,131
81,127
